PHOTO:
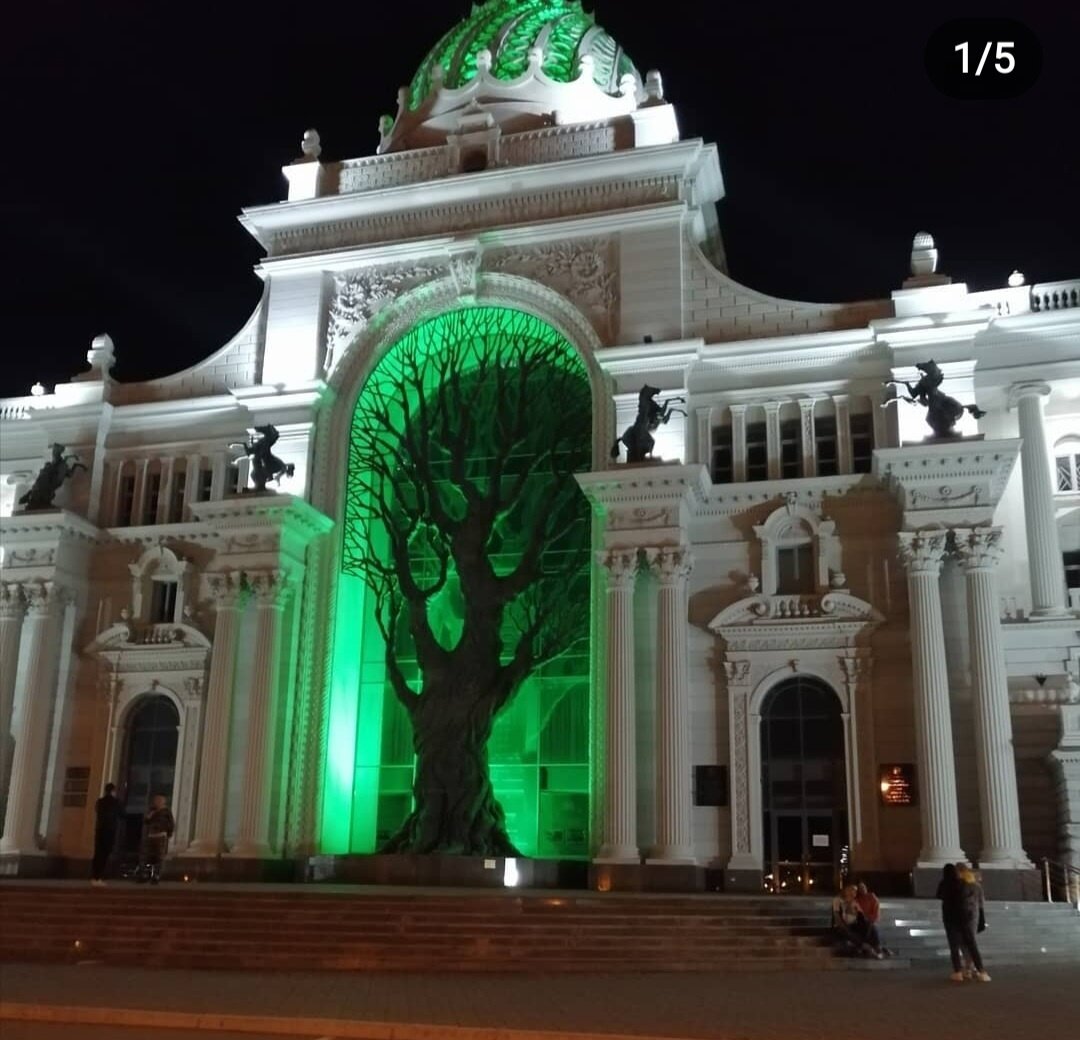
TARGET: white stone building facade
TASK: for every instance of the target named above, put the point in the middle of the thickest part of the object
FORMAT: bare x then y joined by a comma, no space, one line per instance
805,594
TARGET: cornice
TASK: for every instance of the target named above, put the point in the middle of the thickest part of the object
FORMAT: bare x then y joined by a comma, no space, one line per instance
47,525
624,485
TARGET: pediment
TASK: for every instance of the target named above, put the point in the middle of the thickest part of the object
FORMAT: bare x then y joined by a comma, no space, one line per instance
795,610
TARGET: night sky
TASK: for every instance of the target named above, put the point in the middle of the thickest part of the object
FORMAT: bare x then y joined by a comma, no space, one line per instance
136,131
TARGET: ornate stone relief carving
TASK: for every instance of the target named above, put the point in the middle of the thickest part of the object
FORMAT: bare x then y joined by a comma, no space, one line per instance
635,519
583,270
359,294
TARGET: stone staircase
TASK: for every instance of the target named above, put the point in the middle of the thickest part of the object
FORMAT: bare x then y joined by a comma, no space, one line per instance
349,928
1016,933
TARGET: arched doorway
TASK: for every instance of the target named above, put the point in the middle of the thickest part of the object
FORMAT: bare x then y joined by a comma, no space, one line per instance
803,787
149,763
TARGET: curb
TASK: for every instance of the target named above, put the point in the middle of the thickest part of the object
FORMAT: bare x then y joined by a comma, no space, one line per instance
346,1029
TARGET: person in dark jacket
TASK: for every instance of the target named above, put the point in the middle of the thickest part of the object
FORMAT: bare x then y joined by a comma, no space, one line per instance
158,826
960,901
107,814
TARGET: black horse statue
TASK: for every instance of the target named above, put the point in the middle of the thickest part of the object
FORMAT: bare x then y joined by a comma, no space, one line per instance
265,465
639,437
50,478
942,411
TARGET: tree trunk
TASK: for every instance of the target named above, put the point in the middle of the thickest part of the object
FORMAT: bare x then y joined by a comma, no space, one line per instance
456,811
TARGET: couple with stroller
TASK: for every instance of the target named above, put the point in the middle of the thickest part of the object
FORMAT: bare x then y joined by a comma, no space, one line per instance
855,915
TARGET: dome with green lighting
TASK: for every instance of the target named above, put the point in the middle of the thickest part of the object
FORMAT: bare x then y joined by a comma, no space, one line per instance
508,30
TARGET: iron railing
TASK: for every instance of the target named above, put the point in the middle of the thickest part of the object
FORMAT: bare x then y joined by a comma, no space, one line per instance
1061,882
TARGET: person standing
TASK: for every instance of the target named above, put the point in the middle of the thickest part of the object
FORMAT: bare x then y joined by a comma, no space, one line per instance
107,813
158,827
960,915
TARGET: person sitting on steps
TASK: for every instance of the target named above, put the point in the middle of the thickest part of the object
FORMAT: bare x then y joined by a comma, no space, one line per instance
852,926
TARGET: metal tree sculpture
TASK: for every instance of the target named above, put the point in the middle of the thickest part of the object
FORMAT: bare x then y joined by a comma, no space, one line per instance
463,506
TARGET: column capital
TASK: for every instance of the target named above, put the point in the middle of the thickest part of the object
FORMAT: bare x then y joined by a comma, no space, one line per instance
921,552
227,590
12,600
1034,388
979,548
737,672
772,407
621,566
671,565
270,589
738,409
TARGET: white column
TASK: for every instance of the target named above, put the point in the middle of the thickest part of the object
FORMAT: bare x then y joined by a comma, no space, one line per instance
164,502
229,598
117,488
980,549
842,405
1043,544
704,436
674,791
191,483
772,438
881,418
36,691
738,443
142,467
921,554
217,484
809,445
12,609
620,767
253,829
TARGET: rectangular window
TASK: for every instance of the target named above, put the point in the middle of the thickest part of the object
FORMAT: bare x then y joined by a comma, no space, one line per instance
722,461
825,439
232,479
163,601
790,449
176,504
795,569
153,493
862,442
127,502
206,485
1068,472
757,452
1072,569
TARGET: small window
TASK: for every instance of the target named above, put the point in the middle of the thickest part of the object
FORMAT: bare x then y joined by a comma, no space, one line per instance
153,494
862,442
163,602
206,485
825,442
790,449
722,466
1072,569
474,160
757,452
126,504
1068,471
795,569
176,504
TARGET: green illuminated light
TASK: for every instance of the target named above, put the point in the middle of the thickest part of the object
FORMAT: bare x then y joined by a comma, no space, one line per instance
509,29
539,747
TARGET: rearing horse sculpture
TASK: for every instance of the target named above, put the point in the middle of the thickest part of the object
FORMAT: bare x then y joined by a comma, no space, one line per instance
265,465
639,437
942,411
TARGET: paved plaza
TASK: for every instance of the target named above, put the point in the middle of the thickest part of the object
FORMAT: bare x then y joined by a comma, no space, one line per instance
1020,1004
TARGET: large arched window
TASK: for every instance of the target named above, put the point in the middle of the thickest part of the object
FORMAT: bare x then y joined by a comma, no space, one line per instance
804,788
463,446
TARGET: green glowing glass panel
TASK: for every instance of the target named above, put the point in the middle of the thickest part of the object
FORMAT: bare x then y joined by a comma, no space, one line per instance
539,749
509,29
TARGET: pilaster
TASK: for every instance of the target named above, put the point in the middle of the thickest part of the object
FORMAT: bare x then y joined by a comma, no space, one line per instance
806,436
12,610
772,438
738,442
